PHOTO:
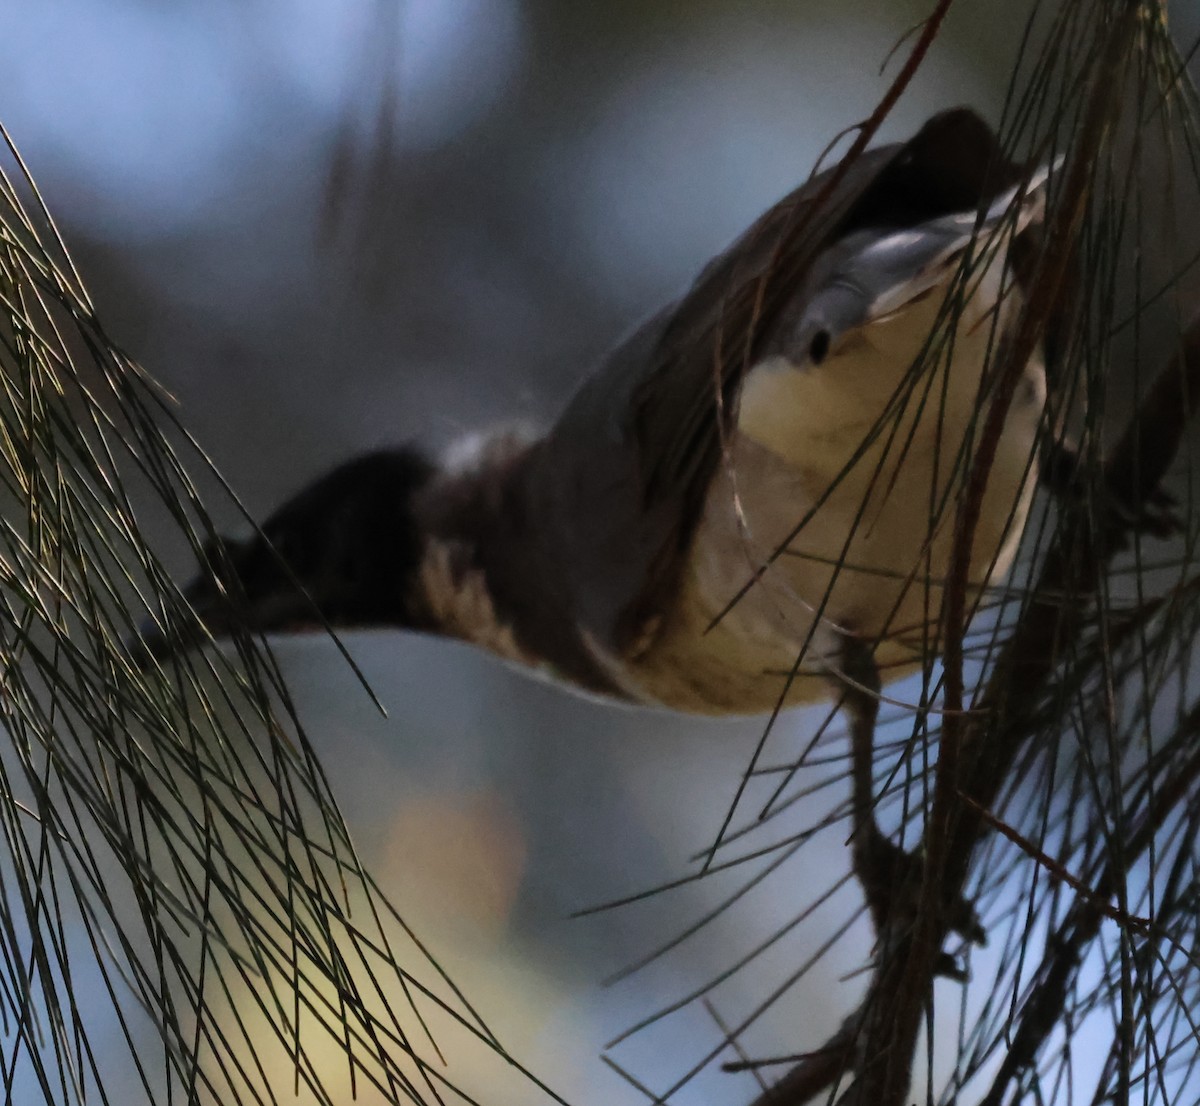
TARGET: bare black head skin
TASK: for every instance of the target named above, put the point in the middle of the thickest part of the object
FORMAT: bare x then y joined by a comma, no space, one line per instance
346,550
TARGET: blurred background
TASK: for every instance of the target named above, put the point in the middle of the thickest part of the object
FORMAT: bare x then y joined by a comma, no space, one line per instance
327,225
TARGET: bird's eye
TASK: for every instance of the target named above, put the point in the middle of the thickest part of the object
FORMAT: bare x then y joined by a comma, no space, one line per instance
818,348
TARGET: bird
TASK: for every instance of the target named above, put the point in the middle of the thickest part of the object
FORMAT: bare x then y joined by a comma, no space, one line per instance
749,504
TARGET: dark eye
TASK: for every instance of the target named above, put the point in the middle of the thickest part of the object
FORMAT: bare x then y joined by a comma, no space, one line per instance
818,348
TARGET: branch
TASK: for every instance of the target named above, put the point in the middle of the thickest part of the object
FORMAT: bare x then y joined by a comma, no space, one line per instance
1049,627
969,760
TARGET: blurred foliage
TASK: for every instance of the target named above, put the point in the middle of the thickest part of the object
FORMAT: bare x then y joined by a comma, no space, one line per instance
175,868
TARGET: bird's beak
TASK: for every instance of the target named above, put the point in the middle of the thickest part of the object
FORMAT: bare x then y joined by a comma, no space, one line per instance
244,586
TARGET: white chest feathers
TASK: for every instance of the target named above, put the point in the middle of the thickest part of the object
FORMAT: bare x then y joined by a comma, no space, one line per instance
852,471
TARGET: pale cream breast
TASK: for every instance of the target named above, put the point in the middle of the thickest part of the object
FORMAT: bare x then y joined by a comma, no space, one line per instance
868,459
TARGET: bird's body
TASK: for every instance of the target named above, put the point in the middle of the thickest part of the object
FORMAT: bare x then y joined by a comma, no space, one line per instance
850,471
813,473
830,512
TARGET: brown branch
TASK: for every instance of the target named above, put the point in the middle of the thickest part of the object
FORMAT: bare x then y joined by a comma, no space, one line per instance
1059,872
817,1070
908,961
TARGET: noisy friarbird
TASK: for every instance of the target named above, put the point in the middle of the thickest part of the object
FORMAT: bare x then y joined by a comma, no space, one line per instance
795,431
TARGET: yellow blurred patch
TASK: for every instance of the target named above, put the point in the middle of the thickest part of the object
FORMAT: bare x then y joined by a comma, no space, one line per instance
455,858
